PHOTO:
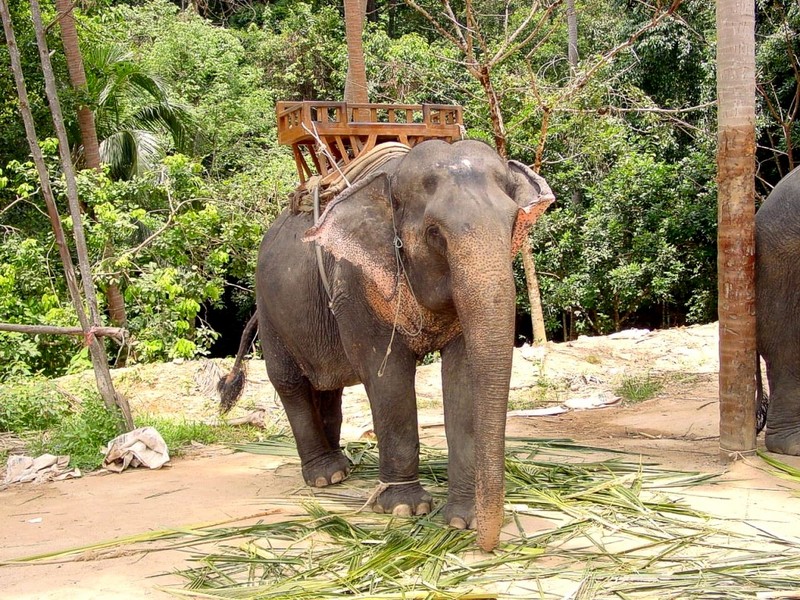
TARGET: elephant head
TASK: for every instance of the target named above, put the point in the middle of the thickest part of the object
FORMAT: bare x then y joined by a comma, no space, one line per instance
454,215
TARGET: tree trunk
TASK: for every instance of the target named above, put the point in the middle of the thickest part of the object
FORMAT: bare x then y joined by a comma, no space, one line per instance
572,34
77,76
91,148
736,242
498,126
355,87
534,295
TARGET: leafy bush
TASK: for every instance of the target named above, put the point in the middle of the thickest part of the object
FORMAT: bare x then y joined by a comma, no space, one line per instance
31,406
83,434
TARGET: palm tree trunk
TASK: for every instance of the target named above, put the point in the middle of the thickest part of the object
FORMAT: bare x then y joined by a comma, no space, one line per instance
355,87
91,148
77,76
736,241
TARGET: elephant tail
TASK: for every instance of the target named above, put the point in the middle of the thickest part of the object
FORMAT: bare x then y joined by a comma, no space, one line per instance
231,385
762,399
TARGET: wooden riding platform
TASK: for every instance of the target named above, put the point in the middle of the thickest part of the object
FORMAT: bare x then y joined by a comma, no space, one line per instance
333,134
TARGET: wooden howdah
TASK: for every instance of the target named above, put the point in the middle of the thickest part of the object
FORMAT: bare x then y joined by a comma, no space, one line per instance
326,136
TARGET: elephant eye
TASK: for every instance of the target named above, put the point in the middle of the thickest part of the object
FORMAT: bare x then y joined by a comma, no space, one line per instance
435,239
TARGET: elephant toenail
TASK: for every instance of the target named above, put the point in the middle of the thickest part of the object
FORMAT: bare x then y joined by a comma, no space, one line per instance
423,508
320,482
458,523
402,510
337,477
474,523
377,508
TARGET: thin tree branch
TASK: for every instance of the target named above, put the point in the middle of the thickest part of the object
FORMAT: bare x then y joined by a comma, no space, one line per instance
117,333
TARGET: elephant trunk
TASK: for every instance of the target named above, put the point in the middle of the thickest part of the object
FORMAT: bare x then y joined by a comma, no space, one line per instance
484,295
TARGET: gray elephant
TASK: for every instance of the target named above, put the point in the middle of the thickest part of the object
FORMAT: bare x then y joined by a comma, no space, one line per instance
419,258
778,311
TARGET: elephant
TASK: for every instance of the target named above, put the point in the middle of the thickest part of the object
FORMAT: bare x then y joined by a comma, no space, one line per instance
777,303
418,257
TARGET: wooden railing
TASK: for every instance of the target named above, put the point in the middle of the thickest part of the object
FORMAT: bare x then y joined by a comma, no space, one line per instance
335,133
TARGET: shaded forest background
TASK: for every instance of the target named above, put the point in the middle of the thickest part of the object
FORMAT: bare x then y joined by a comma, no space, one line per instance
184,96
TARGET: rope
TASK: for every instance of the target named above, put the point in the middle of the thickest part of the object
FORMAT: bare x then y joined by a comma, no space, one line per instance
382,487
335,183
318,251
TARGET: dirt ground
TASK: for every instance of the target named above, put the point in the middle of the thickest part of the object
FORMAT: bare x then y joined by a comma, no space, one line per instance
677,428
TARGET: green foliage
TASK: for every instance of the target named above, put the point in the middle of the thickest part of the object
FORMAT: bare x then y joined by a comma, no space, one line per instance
35,405
631,240
173,249
83,434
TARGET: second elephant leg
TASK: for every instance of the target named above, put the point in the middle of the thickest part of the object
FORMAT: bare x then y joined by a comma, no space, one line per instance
329,406
394,415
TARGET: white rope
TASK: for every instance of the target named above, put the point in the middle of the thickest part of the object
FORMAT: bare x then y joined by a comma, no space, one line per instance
382,487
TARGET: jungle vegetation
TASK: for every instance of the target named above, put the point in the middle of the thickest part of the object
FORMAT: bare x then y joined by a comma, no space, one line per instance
183,94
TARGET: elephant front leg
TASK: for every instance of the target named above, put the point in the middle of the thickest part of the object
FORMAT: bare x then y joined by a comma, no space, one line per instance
394,415
460,431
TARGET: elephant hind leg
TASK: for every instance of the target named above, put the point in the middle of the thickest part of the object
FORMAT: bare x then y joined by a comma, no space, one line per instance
315,419
314,416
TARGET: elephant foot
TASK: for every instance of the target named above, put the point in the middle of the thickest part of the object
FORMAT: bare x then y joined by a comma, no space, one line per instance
460,514
404,500
783,442
328,469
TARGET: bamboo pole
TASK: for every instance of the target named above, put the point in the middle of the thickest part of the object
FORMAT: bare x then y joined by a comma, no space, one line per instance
96,350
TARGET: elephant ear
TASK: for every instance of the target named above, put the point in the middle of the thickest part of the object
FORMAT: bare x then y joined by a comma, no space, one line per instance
357,226
532,194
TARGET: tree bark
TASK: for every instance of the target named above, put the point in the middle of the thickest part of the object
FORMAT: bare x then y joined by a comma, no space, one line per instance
736,241
534,295
91,148
355,87
496,115
572,34
77,76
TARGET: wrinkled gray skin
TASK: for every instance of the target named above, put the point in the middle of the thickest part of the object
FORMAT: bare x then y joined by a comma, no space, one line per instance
455,209
778,310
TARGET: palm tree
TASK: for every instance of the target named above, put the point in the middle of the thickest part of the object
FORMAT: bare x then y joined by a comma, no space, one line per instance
136,121
736,242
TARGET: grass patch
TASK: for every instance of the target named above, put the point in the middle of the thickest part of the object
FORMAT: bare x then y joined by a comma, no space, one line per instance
544,392
179,434
74,421
638,388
